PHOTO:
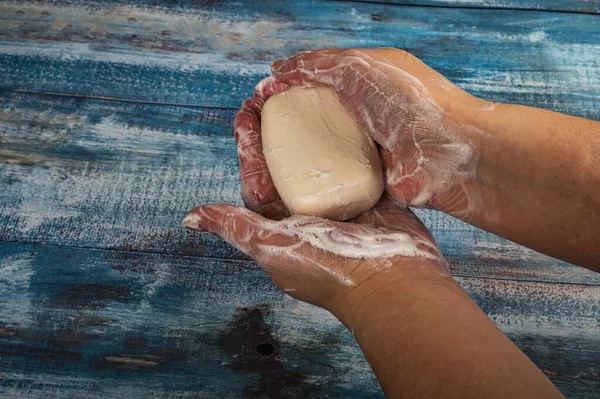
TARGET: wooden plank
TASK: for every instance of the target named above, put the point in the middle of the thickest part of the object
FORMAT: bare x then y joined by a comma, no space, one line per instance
89,323
94,323
213,55
576,6
109,174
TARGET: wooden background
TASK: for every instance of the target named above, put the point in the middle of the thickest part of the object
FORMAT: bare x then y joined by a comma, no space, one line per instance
116,118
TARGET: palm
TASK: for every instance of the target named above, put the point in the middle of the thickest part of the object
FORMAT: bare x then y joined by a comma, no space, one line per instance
311,258
385,220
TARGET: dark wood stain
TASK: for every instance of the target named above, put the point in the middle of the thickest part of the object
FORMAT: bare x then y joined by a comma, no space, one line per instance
58,357
242,342
131,301
91,296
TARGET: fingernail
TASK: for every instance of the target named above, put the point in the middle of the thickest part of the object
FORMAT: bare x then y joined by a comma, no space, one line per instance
276,66
192,222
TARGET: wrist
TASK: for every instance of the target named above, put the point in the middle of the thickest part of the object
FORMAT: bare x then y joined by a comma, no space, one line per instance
391,293
469,123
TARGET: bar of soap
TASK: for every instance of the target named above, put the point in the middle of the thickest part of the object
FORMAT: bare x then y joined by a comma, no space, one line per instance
321,161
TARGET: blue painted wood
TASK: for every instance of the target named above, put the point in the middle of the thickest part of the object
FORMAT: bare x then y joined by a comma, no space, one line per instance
89,323
95,323
102,292
214,55
109,174
578,6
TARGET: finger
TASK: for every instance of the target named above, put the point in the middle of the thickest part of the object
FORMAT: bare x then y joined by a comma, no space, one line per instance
258,191
396,56
267,87
390,170
277,64
255,105
404,177
236,225
412,65
288,69
334,68
363,86
378,54
247,231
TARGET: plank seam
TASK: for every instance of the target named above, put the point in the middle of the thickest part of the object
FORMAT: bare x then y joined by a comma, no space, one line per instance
465,276
114,99
467,7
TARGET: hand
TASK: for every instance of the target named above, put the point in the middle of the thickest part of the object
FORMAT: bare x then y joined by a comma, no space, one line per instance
313,259
419,119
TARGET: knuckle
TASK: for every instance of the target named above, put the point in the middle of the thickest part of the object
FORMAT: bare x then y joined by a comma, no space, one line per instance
352,52
402,53
251,102
301,61
405,55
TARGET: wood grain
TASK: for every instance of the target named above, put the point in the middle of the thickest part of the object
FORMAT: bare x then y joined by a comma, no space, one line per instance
108,174
97,323
213,54
582,6
576,6
104,294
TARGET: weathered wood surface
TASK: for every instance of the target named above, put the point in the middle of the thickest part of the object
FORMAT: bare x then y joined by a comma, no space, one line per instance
577,6
115,175
92,323
102,292
117,178
212,53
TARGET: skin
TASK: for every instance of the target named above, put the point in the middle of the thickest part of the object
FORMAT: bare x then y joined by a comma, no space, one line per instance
382,274
526,174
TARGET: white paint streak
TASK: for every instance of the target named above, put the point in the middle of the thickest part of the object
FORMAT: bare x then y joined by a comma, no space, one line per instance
505,251
16,272
537,36
183,62
39,203
115,135
543,309
547,326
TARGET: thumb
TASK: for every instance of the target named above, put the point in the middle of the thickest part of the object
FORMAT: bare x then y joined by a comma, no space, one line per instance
238,226
267,87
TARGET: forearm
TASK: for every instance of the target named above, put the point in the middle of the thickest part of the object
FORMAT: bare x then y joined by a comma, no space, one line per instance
526,174
538,181
424,337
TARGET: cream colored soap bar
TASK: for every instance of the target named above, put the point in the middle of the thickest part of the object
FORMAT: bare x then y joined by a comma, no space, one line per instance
320,160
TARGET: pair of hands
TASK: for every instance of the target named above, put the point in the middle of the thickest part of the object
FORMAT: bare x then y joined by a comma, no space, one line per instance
429,157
